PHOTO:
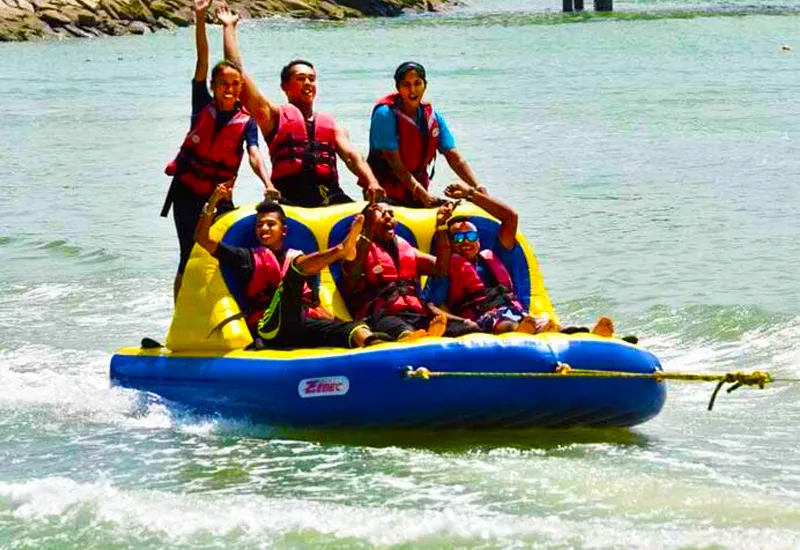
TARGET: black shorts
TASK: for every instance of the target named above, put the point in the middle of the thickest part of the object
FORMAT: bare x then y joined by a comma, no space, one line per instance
399,323
285,326
186,209
297,191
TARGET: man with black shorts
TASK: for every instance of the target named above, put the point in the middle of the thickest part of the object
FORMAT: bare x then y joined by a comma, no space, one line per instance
281,311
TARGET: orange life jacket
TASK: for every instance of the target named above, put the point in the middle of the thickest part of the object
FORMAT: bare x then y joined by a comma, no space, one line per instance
294,152
267,276
469,296
417,149
207,156
389,286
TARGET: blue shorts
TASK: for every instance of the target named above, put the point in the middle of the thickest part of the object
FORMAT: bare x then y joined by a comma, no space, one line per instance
491,318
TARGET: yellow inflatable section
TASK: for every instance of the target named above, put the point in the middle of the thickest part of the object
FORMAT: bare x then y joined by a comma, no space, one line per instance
205,302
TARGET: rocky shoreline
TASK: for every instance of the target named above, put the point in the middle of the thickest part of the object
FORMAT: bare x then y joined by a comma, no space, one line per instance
31,19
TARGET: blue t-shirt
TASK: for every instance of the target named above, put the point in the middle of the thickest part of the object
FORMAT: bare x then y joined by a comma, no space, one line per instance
383,130
202,97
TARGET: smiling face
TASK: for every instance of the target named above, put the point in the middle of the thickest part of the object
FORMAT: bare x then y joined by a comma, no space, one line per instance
411,89
465,248
301,86
380,221
270,230
226,87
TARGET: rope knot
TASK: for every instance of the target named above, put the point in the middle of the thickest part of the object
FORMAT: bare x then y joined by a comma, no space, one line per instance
562,368
739,379
421,372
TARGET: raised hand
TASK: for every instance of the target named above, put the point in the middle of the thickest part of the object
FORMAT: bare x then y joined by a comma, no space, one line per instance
271,193
201,6
223,191
227,17
349,251
457,190
445,212
427,199
375,193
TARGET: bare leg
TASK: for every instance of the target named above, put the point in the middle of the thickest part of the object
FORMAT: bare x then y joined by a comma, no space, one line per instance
176,286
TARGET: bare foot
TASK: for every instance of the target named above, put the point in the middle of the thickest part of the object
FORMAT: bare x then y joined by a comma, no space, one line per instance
360,336
438,325
411,335
349,242
604,327
527,325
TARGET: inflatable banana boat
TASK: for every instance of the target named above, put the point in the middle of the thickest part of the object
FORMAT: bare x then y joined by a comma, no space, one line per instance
474,381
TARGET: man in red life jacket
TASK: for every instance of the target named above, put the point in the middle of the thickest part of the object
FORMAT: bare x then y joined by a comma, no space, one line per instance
404,136
478,285
280,311
382,282
303,144
213,149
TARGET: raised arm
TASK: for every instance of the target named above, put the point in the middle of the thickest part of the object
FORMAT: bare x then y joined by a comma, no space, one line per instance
200,39
460,166
507,216
443,250
353,271
260,107
357,165
201,236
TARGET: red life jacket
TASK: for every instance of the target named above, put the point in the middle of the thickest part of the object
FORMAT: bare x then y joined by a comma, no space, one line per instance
209,157
469,297
417,149
267,276
293,152
389,287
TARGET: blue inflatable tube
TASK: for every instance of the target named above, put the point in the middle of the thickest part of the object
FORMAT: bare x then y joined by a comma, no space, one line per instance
369,388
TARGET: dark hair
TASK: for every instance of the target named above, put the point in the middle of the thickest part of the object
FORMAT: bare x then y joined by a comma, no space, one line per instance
224,64
286,72
268,206
403,68
457,219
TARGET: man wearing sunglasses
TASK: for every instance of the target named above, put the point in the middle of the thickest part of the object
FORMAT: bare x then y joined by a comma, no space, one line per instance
478,287
382,283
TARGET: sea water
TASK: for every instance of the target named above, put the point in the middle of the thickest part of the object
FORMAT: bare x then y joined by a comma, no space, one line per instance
654,159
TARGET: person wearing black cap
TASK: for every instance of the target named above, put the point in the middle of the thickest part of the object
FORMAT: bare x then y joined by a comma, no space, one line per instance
303,144
405,135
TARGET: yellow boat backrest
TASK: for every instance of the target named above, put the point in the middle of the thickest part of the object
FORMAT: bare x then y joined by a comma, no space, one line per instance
210,296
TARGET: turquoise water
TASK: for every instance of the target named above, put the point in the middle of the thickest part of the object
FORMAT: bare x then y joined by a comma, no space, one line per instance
655,165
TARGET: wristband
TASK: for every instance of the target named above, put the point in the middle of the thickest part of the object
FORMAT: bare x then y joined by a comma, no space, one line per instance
441,228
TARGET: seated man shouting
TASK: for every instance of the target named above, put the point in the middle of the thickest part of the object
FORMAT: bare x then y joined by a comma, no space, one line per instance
382,281
280,312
